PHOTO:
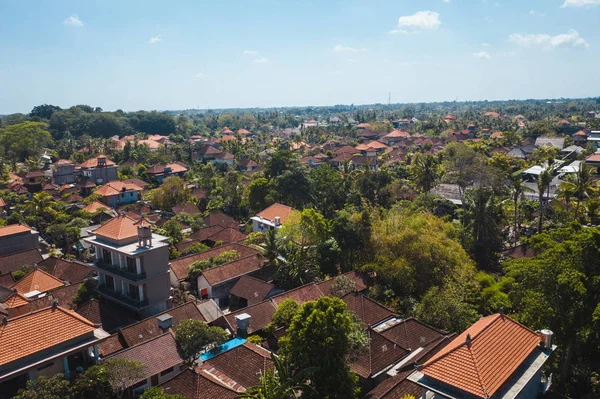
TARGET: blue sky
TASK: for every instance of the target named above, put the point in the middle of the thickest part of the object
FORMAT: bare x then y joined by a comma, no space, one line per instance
186,54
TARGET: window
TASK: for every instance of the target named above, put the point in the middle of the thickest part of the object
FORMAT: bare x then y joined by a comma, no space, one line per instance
139,384
131,265
110,282
106,255
134,292
167,371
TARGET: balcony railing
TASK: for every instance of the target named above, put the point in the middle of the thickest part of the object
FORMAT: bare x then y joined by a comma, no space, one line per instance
135,303
120,271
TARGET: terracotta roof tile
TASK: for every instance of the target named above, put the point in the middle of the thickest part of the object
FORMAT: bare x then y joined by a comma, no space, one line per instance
228,271
396,387
37,280
119,228
13,262
148,328
227,236
198,385
499,345
243,364
15,300
13,229
252,289
187,208
359,282
411,334
305,293
116,188
93,162
221,219
180,266
40,330
110,345
157,354
70,271
6,280
95,206
105,314
261,315
283,211
367,310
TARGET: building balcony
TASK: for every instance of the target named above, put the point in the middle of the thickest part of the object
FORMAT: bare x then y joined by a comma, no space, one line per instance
121,272
124,299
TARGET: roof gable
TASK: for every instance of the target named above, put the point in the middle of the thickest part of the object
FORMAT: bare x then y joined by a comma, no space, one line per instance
37,280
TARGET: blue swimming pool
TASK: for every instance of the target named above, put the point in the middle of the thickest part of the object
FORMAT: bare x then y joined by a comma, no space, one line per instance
233,343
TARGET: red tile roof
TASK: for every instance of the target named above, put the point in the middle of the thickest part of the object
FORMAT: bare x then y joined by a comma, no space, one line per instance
116,188
359,282
396,387
498,346
148,328
198,385
13,229
252,289
93,162
180,266
243,364
37,280
283,211
305,293
261,316
228,271
110,345
367,310
13,262
70,271
381,354
43,329
221,219
157,355
95,206
119,228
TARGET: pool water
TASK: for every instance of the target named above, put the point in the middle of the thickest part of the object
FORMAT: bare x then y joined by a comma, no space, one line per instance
233,343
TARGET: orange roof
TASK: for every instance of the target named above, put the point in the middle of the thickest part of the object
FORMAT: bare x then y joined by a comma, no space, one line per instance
243,131
498,346
93,162
13,229
283,211
375,145
15,301
119,228
593,158
397,133
227,137
2,203
37,280
42,329
177,167
116,187
581,133
63,162
93,207
152,144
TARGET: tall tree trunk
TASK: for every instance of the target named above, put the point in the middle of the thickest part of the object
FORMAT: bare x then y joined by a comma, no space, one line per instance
515,224
541,212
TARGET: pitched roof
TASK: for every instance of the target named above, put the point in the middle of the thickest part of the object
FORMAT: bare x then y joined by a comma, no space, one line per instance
110,345
187,208
283,211
382,353
368,311
220,218
40,330
305,293
119,228
116,188
346,150
396,387
93,162
179,266
198,385
6,280
2,203
13,229
15,300
261,316
37,280
70,271
105,314
156,354
13,262
359,282
498,346
397,133
252,289
243,364
228,271
148,328
95,206
227,236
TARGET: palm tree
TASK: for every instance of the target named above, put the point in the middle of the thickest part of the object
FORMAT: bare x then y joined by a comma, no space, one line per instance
426,172
279,383
41,203
518,189
543,185
581,184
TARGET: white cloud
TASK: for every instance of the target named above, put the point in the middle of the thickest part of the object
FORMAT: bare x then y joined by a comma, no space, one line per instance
420,20
342,49
155,39
447,1
73,20
200,75
531,12
261,60
548,42
482,54
580,3
397,31
250,52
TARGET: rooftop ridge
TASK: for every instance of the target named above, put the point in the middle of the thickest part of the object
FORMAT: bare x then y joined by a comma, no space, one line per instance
138,344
